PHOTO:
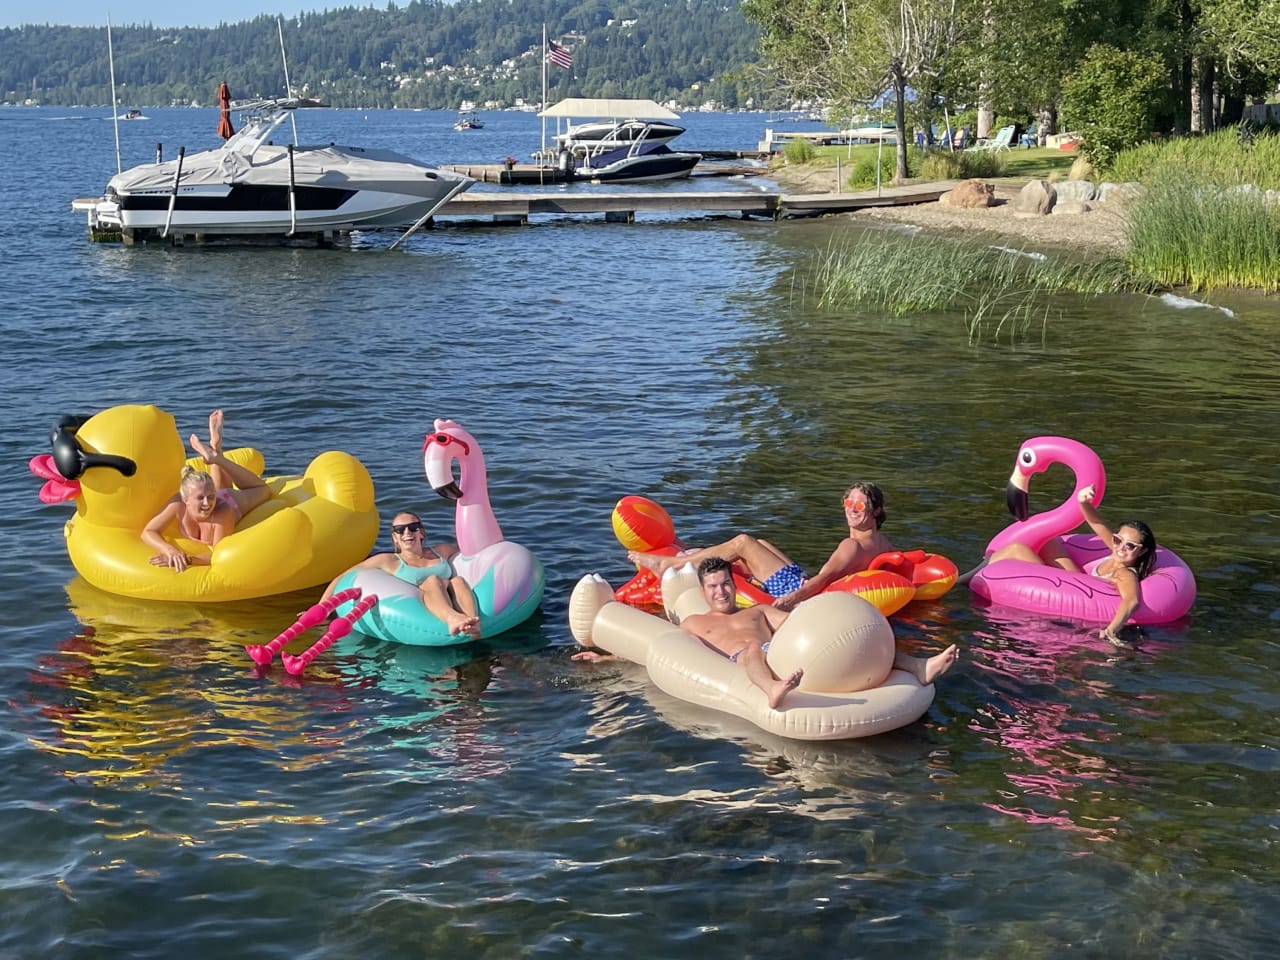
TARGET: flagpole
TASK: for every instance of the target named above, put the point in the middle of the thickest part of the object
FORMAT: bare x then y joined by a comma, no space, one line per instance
543,108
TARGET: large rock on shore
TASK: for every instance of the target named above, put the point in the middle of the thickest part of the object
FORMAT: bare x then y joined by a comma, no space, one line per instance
1077,191
1036,199
1125,192
969,195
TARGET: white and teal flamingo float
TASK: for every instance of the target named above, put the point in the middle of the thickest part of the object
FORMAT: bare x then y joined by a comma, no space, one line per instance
506,578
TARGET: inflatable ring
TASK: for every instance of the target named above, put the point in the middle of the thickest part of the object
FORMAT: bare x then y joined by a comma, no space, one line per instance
890,582
1167,592
506,578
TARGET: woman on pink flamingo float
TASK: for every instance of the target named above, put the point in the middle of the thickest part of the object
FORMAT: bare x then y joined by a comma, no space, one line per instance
1115,577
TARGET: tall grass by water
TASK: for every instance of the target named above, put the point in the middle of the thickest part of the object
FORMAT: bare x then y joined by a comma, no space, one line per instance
1223,158
961,164
998,290
1192,233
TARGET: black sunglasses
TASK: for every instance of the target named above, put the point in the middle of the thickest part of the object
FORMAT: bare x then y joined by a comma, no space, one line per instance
400,529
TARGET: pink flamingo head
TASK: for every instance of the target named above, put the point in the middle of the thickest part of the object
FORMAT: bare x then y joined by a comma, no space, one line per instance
1035,456
476,526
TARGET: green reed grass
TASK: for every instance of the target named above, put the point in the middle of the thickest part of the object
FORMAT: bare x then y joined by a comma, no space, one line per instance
1186,232
995,290
961,165
1220,158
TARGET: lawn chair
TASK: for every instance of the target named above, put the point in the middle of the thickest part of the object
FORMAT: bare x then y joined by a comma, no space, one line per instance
1001,141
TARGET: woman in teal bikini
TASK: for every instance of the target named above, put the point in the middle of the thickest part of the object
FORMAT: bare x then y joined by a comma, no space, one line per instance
444,594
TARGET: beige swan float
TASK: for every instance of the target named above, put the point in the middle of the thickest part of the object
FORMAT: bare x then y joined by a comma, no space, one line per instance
843,644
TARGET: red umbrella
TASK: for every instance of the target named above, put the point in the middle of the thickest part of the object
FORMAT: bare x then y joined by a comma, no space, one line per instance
225,130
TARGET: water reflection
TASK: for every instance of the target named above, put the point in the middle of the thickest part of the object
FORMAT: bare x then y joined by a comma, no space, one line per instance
140,686
1049,705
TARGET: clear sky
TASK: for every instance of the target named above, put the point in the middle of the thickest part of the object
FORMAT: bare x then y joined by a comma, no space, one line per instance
159,13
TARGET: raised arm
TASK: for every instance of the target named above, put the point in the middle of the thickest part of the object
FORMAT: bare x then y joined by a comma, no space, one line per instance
842,562
1091,515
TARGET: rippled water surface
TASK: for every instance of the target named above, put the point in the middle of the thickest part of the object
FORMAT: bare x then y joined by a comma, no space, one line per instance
1059,798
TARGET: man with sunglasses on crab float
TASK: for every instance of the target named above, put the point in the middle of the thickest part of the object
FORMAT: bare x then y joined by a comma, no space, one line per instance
784,579
779,575
445,594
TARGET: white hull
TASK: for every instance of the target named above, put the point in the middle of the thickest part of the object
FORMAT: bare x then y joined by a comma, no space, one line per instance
249,187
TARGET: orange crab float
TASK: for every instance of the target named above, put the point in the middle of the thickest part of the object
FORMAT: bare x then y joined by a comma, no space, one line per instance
893,579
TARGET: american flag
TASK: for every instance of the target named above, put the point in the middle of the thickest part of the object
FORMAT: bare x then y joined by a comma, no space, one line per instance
559,55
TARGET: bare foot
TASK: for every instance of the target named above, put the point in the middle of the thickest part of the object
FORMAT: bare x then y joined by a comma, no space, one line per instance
783,687
593,656
649,561
215,431
461,623
929,670
207,453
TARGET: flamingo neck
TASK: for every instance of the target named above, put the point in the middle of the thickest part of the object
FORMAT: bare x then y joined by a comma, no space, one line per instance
475,526
1037,530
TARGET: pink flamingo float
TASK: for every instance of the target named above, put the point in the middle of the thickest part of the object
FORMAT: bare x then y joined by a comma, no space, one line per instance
1167,591
506,578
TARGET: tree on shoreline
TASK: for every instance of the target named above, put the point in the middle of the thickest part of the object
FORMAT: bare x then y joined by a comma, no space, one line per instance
852,52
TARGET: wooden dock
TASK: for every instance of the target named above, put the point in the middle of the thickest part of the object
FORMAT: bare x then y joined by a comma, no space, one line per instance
621,206
536,175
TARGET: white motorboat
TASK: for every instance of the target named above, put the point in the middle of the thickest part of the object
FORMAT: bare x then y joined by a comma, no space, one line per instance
612,134
249,186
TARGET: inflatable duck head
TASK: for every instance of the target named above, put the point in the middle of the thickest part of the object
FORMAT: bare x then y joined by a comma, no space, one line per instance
119,464
122,465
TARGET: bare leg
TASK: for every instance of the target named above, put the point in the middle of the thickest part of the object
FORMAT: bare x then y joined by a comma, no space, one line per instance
761,558
464,599
753,661
250,490
435,597
1052,554
930,669
220,479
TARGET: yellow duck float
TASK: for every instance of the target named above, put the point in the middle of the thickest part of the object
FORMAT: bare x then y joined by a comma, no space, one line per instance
122,465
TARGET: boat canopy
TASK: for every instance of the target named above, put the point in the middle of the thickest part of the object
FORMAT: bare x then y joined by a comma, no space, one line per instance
611,108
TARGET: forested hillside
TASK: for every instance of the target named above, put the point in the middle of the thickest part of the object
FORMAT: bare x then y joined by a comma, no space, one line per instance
427,53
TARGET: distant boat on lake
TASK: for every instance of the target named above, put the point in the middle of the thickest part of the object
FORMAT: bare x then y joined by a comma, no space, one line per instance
132,115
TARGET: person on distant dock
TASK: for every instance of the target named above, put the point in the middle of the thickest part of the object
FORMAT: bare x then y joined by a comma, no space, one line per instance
207,506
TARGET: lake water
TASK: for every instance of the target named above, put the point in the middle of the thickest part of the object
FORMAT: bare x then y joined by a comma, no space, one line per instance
1060,798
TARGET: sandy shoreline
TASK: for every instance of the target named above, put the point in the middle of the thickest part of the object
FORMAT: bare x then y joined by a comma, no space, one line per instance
1100,231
